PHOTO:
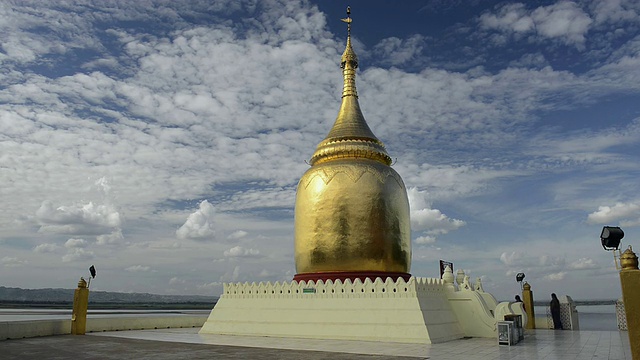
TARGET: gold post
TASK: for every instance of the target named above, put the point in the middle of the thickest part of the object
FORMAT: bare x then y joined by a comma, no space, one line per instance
80,305
527,298
630,283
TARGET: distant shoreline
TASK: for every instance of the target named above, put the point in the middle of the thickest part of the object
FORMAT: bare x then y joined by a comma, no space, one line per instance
108,306
578,302
190,305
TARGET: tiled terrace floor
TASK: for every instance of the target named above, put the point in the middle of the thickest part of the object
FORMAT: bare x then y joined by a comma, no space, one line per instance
538,344
169,344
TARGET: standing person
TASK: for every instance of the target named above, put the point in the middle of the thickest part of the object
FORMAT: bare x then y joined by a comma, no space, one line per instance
554,306
518,299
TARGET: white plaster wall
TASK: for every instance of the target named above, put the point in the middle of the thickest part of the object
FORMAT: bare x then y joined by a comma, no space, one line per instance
143,323
34,328
473,314
416,311
489,299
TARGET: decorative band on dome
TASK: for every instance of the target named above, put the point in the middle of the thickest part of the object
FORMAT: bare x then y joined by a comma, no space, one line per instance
350,148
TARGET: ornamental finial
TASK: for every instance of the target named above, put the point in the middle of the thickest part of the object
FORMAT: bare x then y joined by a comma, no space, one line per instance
348,21
349,62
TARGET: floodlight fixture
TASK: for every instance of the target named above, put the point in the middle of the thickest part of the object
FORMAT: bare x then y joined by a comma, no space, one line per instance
610,237
519,278
92,271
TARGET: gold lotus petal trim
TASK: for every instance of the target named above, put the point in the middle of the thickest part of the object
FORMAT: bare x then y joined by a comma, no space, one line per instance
332,149
354,174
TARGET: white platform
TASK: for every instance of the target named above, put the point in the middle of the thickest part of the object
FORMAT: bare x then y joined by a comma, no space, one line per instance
417,311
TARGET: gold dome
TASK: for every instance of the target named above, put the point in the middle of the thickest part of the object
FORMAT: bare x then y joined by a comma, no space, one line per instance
352,211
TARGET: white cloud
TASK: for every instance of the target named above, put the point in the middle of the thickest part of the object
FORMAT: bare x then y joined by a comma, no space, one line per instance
46,248
551,261
138,268
113,238
538,263
103,184
511,273
423,217
231,277
616,11
176,281
200,224
511,17
237,235
530,60
101,215
564,20
425,240
75,243
77,219
9,261
530,261
78,254
213,287
434,221
239,251
629,212
583,264
584,147
556,276
512,258
630,223
443,182
396,51
264,273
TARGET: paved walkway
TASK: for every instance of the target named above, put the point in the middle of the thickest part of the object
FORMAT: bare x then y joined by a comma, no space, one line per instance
187,343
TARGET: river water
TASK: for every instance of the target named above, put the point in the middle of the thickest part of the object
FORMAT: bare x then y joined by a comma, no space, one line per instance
54,314
591,317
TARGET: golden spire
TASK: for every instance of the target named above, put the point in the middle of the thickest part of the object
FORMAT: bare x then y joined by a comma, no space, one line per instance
349,62
350,136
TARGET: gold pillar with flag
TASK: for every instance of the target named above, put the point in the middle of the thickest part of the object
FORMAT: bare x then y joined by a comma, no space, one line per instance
527,298
80,305
630,283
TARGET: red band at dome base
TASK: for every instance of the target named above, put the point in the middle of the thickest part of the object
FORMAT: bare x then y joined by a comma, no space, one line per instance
351,275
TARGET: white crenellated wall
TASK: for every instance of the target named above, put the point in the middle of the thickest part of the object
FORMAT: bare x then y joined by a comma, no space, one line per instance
34,328
421,310
416,311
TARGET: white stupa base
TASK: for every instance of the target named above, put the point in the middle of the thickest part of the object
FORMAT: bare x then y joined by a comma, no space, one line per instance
417,311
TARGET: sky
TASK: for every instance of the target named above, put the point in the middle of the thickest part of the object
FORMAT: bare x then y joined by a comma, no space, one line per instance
162,141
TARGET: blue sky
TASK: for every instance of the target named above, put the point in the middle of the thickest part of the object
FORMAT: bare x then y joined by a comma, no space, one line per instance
162,141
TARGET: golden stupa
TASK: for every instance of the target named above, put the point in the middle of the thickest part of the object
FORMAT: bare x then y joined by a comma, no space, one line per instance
352,211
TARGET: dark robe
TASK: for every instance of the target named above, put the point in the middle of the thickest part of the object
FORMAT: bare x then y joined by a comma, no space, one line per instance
554,306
